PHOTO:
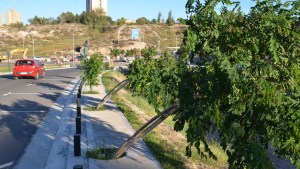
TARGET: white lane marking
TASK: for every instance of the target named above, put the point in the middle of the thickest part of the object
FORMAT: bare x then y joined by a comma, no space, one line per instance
7,94
6,165
28,93
53,79
23,93
19,111
10,93
29,85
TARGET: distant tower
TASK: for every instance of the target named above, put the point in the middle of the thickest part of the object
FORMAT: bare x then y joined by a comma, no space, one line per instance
96,4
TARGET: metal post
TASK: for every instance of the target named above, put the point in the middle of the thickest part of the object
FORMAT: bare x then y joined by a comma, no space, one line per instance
78,109
77,146
32,45
78,125
73,50
77,167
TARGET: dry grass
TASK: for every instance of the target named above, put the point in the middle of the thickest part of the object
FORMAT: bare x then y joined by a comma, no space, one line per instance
60,41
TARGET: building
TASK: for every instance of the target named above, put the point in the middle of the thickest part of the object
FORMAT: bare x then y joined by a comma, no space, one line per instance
96,4
0,19
13,16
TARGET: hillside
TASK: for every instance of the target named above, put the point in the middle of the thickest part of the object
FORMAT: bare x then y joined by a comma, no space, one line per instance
57,40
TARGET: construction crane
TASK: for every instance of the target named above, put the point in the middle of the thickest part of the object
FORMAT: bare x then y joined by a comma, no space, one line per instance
13,52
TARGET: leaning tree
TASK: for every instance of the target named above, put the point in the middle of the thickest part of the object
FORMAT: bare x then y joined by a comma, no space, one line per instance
245,87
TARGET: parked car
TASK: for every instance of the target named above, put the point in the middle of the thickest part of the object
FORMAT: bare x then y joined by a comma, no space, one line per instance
38,58
28,68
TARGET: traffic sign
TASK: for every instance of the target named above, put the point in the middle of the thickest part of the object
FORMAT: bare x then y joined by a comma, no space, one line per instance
135,34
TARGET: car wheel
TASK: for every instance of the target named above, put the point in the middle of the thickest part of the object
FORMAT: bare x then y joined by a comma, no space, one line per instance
15,77
36,76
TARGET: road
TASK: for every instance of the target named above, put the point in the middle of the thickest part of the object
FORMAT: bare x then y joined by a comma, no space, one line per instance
23,105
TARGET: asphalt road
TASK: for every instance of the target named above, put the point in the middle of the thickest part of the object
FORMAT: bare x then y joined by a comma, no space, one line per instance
23,105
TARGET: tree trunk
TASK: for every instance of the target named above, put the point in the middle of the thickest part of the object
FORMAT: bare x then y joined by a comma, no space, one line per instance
146,128
112,92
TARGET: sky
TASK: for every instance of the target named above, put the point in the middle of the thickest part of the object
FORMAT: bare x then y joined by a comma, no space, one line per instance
128,9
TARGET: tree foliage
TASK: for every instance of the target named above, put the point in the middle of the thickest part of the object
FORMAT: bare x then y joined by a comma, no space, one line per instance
155,78
246,86
91,69
116,52
142,21
96,20
159,17
132,52
121,21
170,20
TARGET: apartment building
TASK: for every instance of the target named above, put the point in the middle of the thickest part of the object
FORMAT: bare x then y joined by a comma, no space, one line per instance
0,19
96,4
12,16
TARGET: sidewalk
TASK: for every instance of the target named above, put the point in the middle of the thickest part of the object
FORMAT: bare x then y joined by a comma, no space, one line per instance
52,145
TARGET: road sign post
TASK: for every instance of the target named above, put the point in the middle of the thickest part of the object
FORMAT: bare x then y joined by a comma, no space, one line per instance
8,57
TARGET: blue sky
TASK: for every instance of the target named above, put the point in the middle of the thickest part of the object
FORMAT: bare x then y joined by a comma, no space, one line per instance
129,9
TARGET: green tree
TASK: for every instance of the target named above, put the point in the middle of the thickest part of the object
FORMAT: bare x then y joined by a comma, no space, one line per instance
91,69
121,21
132,52
156,79
142,21
159,17
182,21
67,17
149,52
115,52
170,20
96,20
245,87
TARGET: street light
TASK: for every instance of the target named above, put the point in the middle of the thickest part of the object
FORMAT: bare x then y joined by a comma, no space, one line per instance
32,35
23,34
73,51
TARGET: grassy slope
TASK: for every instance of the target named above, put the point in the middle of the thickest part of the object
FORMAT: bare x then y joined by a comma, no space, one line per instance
60,42
167,145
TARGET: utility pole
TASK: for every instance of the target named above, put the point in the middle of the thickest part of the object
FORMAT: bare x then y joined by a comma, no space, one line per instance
32,46
73,51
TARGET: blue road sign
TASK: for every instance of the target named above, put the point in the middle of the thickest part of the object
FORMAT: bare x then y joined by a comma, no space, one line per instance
135,34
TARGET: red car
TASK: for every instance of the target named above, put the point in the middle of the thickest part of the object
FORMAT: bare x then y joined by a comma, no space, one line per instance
28,68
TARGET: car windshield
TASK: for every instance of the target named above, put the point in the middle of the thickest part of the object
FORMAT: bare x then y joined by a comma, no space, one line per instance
24,62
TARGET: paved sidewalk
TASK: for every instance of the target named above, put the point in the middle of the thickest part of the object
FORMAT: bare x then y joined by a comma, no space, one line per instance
111,128
52,145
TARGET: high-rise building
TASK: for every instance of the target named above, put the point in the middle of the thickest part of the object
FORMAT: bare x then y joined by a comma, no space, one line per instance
12,16
96,4
0,19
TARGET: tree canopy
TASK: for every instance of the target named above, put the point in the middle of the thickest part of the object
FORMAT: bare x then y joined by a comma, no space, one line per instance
245,87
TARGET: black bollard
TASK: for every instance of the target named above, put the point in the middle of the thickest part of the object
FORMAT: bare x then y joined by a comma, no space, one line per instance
77,147
77,167
79,111
78,125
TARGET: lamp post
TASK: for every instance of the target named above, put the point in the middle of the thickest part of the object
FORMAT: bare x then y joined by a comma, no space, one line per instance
73,51
32,35
23,34
32,45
